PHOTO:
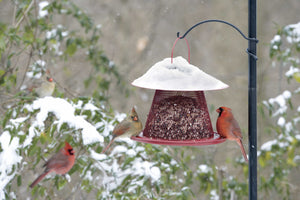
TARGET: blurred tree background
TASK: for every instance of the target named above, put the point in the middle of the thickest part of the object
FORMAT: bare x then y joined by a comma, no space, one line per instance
93,50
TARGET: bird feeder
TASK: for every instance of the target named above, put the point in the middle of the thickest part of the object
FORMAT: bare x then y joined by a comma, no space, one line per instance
176,86
178,114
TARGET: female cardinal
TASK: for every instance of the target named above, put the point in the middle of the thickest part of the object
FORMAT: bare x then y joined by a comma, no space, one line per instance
228,127
60,163
130,126
47,87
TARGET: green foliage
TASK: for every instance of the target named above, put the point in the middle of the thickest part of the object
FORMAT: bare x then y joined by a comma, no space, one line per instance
279,156
41,41
130,170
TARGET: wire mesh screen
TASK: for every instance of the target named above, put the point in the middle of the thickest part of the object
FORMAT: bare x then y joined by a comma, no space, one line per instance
178,115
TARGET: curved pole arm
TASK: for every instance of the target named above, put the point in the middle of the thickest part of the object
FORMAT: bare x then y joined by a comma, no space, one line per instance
227,23
220,21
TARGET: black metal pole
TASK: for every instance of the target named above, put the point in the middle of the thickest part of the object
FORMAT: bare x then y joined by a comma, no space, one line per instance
252,101
252,105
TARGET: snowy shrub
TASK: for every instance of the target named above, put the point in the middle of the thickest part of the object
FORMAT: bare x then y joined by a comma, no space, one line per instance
33,129
37,130
280,155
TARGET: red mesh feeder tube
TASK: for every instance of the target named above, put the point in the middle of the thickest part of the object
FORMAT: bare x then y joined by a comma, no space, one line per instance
178,114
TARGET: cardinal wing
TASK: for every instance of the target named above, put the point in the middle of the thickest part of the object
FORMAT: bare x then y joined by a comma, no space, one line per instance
121,128
236,129
57,161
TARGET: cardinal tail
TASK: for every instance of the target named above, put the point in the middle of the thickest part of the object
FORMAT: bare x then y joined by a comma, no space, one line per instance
39,178
105,149
242,149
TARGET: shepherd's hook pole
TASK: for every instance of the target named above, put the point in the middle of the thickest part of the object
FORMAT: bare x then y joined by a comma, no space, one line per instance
252,103
252,99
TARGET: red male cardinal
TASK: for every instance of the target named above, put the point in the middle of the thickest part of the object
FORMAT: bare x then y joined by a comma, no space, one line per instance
228,127
130,126
60,163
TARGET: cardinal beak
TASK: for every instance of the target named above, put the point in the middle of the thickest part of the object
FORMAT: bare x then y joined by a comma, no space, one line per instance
49,79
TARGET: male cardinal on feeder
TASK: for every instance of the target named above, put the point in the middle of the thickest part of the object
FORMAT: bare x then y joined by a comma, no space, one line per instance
229,128
47,87
60,163
130,126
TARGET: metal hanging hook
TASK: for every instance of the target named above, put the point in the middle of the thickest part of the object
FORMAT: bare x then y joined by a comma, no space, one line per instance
224,22
188,46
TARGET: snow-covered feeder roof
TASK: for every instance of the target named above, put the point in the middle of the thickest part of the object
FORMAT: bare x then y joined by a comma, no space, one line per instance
178,76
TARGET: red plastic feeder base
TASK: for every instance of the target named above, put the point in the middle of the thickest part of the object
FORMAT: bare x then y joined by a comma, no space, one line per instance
216,139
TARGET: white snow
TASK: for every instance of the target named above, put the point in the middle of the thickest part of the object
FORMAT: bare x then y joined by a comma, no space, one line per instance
55,48
291,71
214,195
297,159
275,41
146,168
42,5
98,156
295,33
131,152
34,76
111,64
17,121
139,167
287,94
41,63
281,121
64,33
204,169
280,100
68,177
267,146
99,26
108,127
177,76
276,38
120,116
51,34
8,158
155,173
64,111
288,127
119,149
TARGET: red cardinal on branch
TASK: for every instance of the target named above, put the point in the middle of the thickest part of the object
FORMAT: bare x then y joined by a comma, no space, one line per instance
60,163
229,128
130,126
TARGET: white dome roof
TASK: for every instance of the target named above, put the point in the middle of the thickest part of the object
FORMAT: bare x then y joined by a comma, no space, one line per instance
177,76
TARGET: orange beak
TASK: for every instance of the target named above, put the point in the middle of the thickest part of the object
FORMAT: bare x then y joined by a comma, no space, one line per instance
49,79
